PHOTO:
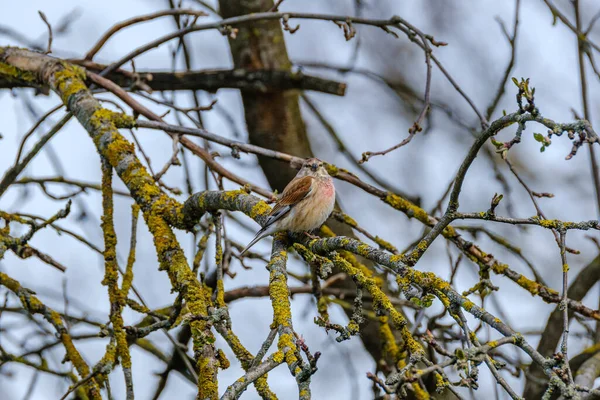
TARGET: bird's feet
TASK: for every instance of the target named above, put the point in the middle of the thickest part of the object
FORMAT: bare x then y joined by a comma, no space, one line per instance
311,236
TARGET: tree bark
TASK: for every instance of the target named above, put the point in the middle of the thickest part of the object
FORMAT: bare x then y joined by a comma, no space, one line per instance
273,119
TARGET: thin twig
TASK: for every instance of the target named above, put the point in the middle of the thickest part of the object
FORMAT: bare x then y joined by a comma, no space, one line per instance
13,172
563,306
49,47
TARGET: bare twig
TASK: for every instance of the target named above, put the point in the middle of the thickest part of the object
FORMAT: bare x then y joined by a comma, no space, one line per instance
136,20
49,47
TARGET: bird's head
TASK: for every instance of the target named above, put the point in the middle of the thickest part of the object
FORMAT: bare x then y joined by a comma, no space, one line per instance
313,167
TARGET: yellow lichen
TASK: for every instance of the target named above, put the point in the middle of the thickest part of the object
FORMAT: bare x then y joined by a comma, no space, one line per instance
223,361
326,231
410,209
419,392
529,285
385,244
278,356
262,387
208,387
390,347
109,118
349,220
111,272
549,223
440,382
261,208
353,327
499,268
172,259
380,301
332,169
68,81
13,74
396,258
282,313
286,344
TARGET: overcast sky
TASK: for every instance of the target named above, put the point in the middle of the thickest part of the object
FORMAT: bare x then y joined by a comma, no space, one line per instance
368,118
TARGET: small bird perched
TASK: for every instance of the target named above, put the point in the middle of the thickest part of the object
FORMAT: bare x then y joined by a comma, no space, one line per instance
304,204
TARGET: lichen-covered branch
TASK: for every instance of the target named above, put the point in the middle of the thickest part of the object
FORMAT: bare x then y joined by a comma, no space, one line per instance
223,323
111,277
252,375
204,202
282,318
146,193
102,126
262,81
200,203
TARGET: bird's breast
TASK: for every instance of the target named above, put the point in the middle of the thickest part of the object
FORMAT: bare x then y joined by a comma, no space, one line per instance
311,212
328,188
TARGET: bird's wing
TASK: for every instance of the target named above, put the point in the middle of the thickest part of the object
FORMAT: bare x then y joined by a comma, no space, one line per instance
293,193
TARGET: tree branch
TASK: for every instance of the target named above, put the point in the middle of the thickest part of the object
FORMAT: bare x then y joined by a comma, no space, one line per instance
261,81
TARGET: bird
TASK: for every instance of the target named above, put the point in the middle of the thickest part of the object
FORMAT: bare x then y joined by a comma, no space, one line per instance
304,205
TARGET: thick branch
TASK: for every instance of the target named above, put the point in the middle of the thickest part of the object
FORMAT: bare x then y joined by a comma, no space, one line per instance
262,81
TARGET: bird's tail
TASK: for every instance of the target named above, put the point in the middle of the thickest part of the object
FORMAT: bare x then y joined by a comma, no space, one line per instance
266,231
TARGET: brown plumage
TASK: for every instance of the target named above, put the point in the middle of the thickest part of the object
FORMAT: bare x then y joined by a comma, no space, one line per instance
295,191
